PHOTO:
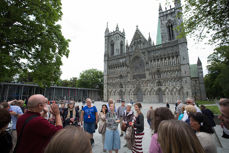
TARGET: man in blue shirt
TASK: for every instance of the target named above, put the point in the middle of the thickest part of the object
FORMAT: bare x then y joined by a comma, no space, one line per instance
89,115
15,112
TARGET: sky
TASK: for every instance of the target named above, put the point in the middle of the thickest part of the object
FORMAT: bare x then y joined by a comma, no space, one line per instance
84,23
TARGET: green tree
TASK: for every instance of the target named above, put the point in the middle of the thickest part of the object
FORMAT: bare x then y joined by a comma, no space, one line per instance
217,80
31,41
68,83
91,78
207,19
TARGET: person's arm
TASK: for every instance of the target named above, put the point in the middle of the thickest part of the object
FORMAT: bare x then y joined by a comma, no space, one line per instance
96,117
56,113
81,117
77,115
141,122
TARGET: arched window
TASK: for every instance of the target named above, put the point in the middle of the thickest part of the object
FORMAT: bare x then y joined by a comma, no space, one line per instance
121,47
170,30
112,48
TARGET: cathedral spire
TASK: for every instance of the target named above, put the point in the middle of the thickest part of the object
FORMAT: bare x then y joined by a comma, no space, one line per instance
199,63
123,31
107,30
149,39
117,28
160,8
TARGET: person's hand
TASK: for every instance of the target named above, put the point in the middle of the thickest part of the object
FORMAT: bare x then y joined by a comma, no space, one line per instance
13,113
117,121
72,119
55,109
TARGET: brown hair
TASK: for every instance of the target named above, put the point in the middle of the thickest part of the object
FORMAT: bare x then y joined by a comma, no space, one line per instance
5,104
224,102
4,118
69,140
139,105
160,114
178,137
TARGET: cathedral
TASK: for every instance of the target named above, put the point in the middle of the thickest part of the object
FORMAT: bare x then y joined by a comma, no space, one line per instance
153,73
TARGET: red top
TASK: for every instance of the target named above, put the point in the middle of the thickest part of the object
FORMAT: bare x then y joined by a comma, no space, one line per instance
36,134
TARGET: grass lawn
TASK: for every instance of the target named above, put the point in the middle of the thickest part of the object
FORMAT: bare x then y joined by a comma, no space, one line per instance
214,109
203,102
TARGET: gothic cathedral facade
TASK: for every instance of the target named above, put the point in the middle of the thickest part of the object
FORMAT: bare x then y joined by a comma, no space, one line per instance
144,72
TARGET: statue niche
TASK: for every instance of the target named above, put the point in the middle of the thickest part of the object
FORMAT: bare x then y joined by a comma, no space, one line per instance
138,68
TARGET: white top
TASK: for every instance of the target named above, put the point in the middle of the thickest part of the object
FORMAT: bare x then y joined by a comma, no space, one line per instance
207,141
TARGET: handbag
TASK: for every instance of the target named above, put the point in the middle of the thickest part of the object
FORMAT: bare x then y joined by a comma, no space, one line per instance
102,127
123,126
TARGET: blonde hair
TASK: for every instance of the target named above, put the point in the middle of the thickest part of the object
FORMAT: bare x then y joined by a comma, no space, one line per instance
69,140
178,137
190,109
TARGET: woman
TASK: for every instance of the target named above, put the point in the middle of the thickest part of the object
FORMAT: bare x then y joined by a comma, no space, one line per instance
5,137
160,114
71,115
182,113
112,138
68,140
201,124
177,137
128,117
139,128
188,109
102,122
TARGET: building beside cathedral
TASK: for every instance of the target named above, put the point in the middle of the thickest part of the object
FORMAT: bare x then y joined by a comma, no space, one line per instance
144,72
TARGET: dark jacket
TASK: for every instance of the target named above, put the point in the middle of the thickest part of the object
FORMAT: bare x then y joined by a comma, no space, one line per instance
139,123
5,142
76,117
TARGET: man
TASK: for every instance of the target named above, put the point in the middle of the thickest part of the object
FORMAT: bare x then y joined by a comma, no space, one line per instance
224,117
34,131
149,115
15,112
190,101
209,114
120,113
89,115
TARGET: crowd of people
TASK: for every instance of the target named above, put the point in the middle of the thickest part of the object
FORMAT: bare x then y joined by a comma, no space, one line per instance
42,128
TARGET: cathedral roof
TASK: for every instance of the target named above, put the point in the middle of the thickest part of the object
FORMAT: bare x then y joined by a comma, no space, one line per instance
193,70
138,36
158,40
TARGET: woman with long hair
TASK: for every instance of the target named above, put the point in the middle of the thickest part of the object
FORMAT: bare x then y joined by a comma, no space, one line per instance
71,114
178,137
202,126
102,123
160,114
138,128
112,138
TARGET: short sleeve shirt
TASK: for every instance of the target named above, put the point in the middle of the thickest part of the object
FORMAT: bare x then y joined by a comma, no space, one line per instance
14,118
89,114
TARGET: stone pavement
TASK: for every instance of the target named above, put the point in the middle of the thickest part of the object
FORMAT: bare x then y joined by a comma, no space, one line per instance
221,143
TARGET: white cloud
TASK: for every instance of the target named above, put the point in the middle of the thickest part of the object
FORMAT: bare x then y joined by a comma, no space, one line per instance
84,23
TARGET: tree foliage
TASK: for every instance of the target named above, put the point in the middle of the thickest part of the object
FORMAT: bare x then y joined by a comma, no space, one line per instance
91,78
31,41
208,19
217,80
68,83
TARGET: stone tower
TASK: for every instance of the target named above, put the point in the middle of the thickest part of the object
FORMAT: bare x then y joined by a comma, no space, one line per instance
201,80
168,21
114,46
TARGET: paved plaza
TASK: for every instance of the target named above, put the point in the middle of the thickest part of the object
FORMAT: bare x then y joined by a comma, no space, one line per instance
97,147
